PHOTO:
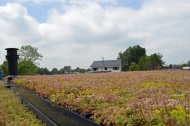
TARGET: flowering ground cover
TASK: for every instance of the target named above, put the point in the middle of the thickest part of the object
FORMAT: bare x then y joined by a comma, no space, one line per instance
13,112
119,99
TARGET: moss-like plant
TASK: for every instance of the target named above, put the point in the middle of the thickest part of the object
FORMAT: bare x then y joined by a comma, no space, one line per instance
13,112
151,98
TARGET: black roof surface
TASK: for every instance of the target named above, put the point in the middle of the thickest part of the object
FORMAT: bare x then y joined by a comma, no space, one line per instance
106,63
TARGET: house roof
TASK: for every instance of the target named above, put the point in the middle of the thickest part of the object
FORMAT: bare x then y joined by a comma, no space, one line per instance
106,63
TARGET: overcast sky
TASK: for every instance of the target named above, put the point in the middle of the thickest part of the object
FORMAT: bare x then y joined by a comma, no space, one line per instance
78,32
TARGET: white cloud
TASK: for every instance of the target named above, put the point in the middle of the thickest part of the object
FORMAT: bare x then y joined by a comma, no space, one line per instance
41,1
15,22
82,2
86,31
17,27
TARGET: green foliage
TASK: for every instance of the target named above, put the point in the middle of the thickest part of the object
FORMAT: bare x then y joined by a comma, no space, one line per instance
54,71
120,55
67,68
13,112
152,62
62,71
184,65
156,61
43,71
132,54
29,53
4,68
135,58
133,67
188,63
79,70
88,69
27,68
28,57
170,66
144,63
27,64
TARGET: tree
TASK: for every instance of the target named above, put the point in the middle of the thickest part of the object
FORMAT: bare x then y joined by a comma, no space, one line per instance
54,71
170,66
152,62
26,67
28,57
188,63
4,68
77,69
43,71
88,70
133,67
120,54
29,53
61,71
156,61
183,65
132,54
82,71
67,69
143,63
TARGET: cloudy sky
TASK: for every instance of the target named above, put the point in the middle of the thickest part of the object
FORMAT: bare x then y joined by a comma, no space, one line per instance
78,32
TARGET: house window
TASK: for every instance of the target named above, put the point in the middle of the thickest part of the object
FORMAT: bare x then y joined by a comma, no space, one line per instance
105,68
94,69
115,68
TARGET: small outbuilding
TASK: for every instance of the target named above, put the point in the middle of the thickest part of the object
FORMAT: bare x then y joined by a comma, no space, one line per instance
106,66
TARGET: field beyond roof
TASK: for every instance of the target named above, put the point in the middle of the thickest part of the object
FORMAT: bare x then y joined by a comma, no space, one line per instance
125,98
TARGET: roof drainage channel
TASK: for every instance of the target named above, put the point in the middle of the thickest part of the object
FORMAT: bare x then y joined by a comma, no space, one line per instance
51,114
40,115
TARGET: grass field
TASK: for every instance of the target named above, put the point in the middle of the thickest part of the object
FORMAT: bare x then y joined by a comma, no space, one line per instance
119,99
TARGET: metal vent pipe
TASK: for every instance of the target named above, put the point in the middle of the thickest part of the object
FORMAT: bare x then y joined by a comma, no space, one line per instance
12,59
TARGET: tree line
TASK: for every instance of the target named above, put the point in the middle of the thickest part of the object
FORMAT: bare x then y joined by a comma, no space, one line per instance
28,64
132,59
179,66
64,70
135,58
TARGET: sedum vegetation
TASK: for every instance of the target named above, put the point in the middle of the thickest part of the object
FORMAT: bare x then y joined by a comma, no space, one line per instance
151,98
13,112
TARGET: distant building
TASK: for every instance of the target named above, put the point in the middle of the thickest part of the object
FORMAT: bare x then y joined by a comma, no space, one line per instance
186,68
106,66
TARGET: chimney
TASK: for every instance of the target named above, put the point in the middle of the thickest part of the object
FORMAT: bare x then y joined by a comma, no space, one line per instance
12,59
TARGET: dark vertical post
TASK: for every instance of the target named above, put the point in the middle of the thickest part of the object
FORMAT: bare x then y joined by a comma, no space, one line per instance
12,59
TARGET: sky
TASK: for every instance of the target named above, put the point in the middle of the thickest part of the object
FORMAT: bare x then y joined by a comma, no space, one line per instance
78,32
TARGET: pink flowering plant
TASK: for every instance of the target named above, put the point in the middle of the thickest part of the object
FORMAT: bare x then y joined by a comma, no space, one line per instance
119,99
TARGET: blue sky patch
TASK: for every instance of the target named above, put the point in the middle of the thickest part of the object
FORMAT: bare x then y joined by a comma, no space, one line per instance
40,11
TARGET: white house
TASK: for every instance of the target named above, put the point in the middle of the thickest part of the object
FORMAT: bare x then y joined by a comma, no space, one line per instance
186,68
106,66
